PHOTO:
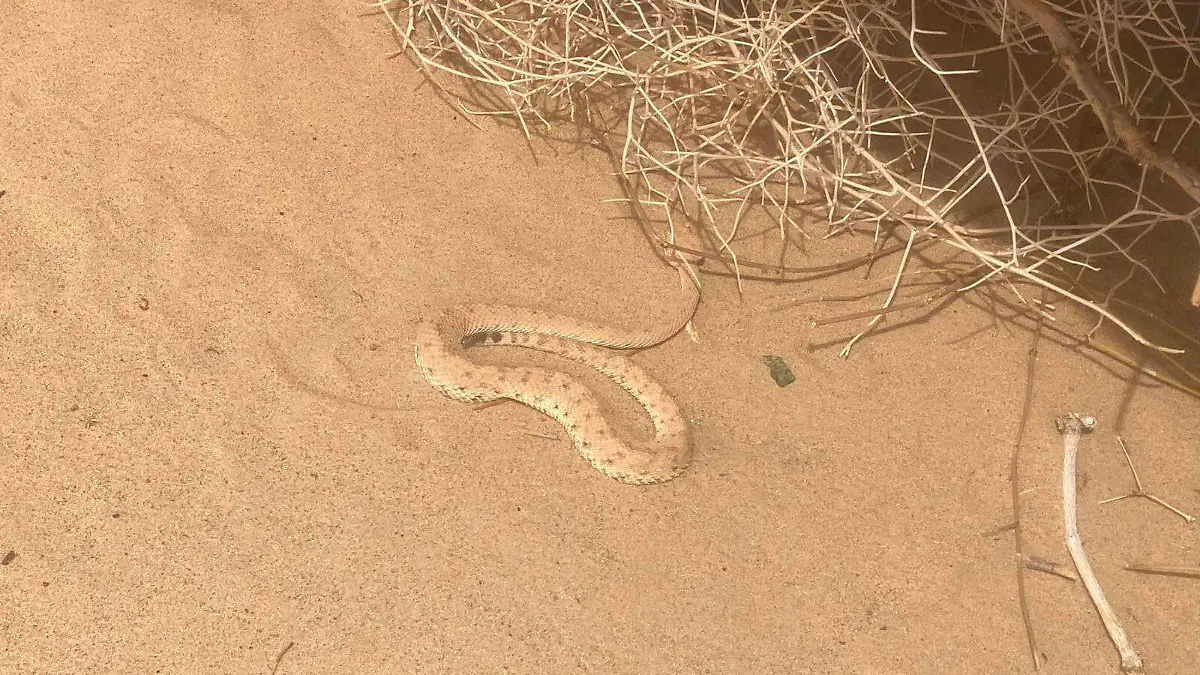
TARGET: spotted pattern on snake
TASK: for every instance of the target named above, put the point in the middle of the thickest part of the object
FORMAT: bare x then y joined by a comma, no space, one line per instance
442,341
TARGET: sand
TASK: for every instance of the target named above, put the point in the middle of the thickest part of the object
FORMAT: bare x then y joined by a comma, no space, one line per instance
221,221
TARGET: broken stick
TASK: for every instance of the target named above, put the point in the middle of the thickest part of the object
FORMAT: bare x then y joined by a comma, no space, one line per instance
1072,427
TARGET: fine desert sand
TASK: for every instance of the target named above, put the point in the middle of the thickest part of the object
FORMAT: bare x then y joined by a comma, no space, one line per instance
221,222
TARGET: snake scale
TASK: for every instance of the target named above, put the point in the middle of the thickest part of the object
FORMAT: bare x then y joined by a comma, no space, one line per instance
442,339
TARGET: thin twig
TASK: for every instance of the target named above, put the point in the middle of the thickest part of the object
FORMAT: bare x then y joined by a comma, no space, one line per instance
1014,479
1167,570
886,303
1118,124
841,115
922,302
1140,491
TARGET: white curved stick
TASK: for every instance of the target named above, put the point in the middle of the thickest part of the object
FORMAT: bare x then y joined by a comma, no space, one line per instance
1072,427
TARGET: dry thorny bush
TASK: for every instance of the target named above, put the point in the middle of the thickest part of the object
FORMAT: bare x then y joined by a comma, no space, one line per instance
1014,152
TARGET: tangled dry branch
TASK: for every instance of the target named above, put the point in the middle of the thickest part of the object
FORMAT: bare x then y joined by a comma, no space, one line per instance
1039,143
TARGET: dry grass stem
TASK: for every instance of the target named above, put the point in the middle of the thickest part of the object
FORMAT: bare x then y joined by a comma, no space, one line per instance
1167,570
845,353
1014,478
1051,144
1140,491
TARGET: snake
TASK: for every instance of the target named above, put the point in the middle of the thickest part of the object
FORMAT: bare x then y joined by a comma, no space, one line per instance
444,337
